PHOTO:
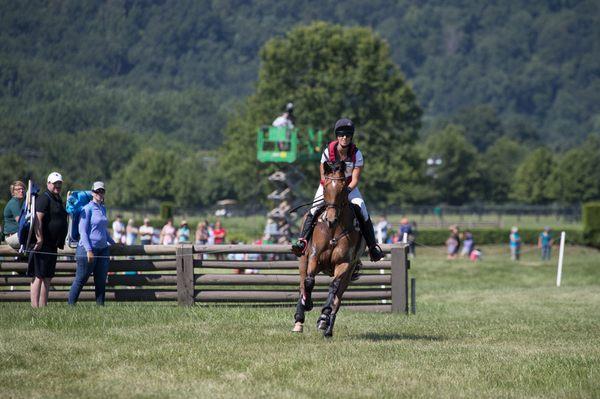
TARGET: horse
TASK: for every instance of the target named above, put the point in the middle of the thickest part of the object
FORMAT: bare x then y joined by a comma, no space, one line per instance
334,249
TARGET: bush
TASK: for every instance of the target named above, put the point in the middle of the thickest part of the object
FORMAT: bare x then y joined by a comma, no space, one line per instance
591,223
495,236
166,210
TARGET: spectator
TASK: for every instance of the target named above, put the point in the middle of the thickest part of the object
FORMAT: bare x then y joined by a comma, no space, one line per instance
12,211
183,233
201,237
545,242
468,245
381,230
410,230
514,243
475,255
453,243
286,119
168,232
118,230
220,236
50,228
131,232
211,234
146,232
92,253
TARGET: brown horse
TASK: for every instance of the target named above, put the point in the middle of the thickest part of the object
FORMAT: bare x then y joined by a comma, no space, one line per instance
334,249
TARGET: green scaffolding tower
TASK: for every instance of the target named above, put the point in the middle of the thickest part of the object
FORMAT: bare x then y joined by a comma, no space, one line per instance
286,147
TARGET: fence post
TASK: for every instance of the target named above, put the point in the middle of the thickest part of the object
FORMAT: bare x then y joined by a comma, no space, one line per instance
185,275
400,279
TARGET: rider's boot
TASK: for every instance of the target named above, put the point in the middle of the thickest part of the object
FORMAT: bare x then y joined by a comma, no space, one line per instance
299,246
369,233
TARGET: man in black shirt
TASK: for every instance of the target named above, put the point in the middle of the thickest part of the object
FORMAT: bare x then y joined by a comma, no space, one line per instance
50,229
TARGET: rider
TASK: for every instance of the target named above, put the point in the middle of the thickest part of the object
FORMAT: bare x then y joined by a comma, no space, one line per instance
343,149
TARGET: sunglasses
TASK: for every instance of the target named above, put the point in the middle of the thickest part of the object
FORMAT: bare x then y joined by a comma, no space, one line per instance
344,134
100,191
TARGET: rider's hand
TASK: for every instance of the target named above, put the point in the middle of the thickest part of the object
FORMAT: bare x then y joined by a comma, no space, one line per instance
38,245
90,256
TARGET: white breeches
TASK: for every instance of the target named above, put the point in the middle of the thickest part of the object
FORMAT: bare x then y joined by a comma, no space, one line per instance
355,197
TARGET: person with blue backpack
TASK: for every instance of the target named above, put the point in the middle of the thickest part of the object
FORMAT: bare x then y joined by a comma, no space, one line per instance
92,253
49,222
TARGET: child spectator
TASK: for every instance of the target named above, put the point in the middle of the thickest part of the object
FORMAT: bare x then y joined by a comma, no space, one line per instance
453,243
468,245
514,243
545,242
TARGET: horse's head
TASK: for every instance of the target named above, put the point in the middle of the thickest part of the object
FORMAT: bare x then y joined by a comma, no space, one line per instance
334,190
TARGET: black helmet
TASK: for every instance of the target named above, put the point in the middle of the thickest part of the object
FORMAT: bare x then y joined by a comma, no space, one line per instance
344,125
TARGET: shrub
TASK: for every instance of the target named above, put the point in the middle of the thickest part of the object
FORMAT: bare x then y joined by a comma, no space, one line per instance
591,223
166,210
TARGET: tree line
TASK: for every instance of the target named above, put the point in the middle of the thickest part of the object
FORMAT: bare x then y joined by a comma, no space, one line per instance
159,97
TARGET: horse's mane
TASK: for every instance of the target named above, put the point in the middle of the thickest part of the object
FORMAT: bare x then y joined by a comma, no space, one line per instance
335,167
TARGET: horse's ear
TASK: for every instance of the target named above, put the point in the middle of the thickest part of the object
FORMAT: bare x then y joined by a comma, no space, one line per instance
327,168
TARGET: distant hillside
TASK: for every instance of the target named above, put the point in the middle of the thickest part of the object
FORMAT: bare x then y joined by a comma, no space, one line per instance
179,67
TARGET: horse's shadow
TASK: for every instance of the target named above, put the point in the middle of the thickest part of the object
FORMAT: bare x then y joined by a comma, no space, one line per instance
395,337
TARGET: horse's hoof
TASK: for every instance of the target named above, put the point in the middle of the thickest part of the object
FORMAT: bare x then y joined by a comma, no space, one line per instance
328,333
322,323
298,327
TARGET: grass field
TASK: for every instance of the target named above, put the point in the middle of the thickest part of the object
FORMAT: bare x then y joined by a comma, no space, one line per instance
490,329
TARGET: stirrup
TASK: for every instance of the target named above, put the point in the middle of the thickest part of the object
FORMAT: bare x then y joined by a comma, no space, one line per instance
376,253
299,248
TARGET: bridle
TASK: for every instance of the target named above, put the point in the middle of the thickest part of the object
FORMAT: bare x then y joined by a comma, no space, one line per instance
329,205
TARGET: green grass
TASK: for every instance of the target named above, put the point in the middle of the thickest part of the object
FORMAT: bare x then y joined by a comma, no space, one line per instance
488,329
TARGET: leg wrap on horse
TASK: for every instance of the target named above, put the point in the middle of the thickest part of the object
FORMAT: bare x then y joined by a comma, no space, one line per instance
333,289
299,316
329,330
309,284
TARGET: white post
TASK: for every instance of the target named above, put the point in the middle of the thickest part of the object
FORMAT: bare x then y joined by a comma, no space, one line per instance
561,252
405,238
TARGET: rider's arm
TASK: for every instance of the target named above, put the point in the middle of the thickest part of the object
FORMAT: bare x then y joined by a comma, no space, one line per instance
355,177
322,171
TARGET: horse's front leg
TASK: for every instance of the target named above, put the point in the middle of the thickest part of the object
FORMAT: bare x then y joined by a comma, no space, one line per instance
337,288
307,271
300,306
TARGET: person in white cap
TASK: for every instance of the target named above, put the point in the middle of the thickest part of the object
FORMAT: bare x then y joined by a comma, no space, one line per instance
50,230
92,253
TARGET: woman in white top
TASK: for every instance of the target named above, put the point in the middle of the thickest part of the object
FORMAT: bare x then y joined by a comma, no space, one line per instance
343,149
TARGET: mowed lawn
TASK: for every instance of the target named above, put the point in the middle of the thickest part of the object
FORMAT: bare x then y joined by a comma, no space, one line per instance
487,329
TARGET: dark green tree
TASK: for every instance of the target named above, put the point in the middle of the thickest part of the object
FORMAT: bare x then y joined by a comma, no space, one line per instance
576,178
329,71
482,125
455,177
532,178
148,176
497,168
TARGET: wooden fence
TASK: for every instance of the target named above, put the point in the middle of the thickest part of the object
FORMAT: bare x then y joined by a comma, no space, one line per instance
192,274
